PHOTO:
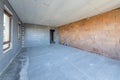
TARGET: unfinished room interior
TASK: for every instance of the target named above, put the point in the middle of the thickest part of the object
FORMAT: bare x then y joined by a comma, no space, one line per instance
59,39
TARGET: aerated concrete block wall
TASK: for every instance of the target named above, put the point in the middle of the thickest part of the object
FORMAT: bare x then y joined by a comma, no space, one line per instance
99,34
6,57
38,35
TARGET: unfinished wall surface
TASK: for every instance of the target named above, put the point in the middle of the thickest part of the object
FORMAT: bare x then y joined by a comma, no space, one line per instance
37,35
6,57
99,34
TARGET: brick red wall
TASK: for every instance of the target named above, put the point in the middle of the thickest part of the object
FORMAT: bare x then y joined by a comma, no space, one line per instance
99,34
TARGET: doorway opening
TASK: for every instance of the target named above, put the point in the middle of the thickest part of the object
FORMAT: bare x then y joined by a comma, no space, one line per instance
52,36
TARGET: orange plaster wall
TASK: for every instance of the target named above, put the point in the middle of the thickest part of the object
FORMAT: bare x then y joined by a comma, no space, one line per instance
99,34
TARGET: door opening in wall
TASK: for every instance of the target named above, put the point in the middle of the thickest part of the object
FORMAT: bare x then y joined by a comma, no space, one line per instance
52,36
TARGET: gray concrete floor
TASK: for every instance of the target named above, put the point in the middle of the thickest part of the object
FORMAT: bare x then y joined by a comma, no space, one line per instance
14,69
57,62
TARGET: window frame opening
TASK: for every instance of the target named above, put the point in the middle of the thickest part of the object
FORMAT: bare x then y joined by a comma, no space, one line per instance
7,30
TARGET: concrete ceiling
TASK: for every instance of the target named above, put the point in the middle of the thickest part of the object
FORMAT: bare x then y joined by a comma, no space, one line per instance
60,12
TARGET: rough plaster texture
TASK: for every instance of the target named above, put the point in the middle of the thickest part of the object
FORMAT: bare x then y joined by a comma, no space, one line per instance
60,12
37,35
100,34
5,58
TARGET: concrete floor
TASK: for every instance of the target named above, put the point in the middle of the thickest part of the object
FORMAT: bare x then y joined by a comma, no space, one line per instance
57,62
15,69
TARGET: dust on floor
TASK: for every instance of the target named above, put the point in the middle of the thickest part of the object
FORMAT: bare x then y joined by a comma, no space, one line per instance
57,62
